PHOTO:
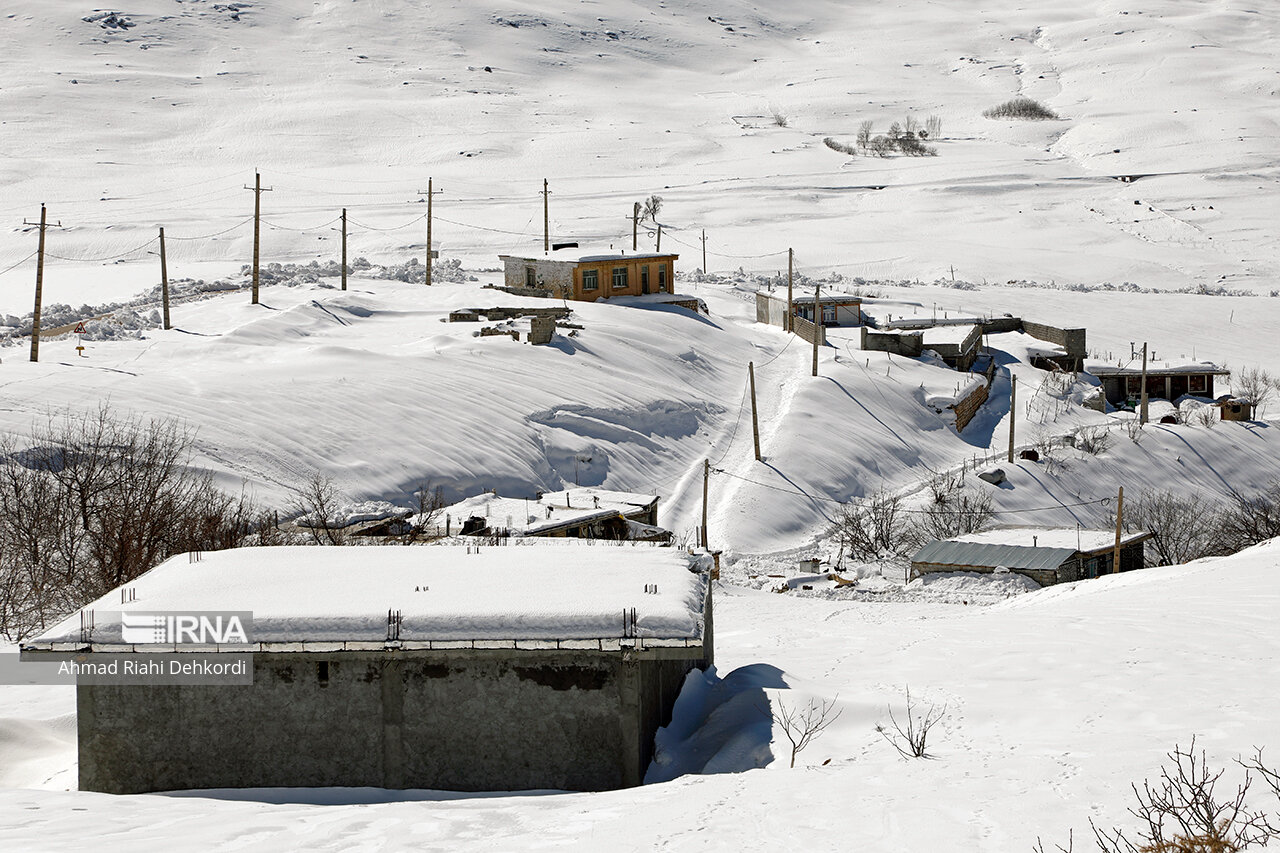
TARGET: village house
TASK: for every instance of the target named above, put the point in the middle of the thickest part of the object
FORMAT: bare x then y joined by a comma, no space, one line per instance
582,513
571,274
1047,555
475,668
1167,380
838,309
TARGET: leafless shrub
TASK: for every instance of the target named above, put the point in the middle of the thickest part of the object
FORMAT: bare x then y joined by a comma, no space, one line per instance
316,504
1186,527
1022,108
836,145
802,725
910,737
864,135
1093,440
882,146
1183,811
1250,519
1133,429
91,501
875,528
1205,416
932,128
954,511
779,118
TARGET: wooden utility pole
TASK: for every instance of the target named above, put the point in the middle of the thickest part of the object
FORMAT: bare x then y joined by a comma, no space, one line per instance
1115,559
1142,410
817,325
755,421
791,254
257,228
1013,407
704,251
635,226
706,476
546,219
659,247
35,315
164,279
344,248
431,253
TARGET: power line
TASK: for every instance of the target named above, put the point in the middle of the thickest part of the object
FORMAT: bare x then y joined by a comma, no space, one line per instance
106,258
214,234
319,227
359,224
1095,502
20,263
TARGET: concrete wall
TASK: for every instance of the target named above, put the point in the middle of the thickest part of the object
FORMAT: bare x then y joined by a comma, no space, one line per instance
466,719
909,344
771,310
549,274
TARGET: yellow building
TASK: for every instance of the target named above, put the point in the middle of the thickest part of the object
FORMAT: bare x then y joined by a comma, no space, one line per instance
588,277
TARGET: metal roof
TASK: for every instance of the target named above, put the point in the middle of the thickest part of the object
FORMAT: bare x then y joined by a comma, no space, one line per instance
991,556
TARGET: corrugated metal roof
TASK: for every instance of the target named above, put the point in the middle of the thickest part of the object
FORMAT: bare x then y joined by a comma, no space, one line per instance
990,556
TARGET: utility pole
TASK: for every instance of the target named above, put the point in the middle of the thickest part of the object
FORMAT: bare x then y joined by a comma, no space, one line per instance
704,251
791,254
35,316
257,230
817,325
344,248
1013,407
1115,559
546,219
164,279
431,254
1142,411
706,476
659,247
755,422
635,226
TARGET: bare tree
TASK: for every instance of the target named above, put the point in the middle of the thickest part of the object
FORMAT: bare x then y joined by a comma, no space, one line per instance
1186,527
932,128
1250,519
911,736
430,504
802,725
316,504
864,135
652,205
1254,385
874,528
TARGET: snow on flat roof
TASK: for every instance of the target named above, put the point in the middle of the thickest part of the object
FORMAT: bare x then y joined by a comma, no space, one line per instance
585,256
1050,537
342,594
553,510
948,334
1134,367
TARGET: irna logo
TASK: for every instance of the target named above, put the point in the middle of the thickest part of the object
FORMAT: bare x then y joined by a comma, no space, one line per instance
201,629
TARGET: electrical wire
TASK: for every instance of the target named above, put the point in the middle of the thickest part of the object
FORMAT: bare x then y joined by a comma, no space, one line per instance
106,258
319,227
358,224
214,234
20,263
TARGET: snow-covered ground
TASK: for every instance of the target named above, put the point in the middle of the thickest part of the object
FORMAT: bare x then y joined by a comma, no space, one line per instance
1055,702
1160,175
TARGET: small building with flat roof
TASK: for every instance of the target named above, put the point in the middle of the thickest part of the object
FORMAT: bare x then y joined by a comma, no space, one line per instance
1047,555
1167,380
571,273
548,666
581,513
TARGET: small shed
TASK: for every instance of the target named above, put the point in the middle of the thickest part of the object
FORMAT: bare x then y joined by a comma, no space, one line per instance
958,346
1047,555
458,668
1167,380
1235,409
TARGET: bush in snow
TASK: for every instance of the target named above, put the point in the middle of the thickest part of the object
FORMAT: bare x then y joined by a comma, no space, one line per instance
910,736
1022,108
1183,811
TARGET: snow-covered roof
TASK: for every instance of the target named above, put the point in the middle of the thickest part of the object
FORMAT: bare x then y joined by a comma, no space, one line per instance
341,595
531,516
950,334
580,256
1158,368
1052,537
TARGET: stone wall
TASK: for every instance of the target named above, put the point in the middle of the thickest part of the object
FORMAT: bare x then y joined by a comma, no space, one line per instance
807,330
1072,340
968,407
555,276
